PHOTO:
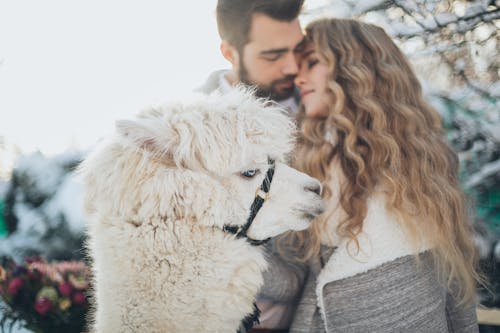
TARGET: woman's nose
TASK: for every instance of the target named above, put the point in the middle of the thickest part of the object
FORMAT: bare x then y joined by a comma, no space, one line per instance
299,80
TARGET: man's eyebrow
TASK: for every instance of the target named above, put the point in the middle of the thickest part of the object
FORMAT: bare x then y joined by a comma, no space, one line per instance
274,51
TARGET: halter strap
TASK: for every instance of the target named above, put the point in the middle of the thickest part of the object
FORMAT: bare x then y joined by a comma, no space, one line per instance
261,195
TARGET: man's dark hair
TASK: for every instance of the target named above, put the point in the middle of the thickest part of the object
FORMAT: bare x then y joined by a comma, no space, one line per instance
235,16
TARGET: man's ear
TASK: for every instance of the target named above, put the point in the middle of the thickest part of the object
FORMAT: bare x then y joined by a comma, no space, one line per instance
230,53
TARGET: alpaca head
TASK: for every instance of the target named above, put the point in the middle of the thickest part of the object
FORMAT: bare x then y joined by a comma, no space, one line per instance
202,161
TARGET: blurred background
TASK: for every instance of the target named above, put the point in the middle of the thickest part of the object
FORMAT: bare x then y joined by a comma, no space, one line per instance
69,69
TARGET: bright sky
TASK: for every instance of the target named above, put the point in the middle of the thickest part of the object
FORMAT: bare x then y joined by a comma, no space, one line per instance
69,69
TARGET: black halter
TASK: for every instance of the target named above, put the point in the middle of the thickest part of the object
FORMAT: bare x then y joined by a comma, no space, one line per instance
261,195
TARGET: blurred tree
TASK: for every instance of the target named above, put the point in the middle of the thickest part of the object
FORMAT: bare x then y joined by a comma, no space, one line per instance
459,38
43,208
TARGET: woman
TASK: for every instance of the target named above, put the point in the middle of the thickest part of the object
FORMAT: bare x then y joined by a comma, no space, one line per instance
403,259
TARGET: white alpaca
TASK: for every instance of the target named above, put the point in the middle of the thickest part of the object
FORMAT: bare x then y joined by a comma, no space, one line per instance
159,195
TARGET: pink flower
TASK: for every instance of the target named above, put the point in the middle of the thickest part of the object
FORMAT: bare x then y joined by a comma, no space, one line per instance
79,298
14,286
57,270
70,266
43,305
65,289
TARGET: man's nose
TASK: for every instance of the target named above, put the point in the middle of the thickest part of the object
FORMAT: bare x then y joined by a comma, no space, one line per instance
290,67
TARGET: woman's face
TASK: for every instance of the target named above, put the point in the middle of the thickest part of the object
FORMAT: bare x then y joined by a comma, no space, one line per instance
312,81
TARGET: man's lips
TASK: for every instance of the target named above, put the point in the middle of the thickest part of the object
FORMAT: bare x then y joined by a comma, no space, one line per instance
286,83
305,92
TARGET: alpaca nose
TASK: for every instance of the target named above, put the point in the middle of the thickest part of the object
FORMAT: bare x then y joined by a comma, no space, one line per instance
314,187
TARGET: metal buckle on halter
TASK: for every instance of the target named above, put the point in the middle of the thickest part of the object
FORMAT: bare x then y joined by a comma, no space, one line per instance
260,193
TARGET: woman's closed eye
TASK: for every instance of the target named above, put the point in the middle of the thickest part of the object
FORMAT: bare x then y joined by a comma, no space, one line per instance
311,62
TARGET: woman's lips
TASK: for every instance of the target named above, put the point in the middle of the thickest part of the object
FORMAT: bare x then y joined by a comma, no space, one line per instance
305,92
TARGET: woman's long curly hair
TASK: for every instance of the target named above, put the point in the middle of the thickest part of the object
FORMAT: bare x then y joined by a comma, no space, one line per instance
386,136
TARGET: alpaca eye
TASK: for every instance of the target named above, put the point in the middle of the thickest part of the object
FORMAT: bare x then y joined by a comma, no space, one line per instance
249,173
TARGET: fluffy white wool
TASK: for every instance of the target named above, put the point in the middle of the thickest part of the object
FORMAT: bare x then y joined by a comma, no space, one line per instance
159,193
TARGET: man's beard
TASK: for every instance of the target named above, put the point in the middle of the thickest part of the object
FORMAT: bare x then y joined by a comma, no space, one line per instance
267,91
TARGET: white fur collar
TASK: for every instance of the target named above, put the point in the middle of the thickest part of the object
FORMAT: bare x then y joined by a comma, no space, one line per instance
381,240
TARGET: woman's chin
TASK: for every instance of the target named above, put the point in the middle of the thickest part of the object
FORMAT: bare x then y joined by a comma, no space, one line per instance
315,113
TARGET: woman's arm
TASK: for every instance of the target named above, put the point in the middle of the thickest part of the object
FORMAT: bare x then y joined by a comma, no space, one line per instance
285,276
461,318
283,282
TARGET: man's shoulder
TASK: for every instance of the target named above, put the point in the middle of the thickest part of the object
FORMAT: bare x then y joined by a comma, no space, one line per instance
212,83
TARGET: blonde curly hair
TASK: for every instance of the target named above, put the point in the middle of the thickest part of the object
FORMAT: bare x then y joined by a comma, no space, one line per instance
385,134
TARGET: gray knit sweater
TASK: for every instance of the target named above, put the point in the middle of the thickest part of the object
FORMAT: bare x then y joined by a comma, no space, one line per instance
398,296
377,285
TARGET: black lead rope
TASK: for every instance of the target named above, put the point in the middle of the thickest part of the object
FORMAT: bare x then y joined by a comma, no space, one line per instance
250,320
261,195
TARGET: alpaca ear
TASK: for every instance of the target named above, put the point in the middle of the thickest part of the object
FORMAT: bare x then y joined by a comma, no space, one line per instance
142,133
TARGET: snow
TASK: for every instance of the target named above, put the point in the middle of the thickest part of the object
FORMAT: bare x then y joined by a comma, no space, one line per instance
3,189
366,5
45,174
460,65
321,9
17,241
496,251
316,4
68,201
404,30
16,328
483,245
429,5
409,5
445,18
30,221
69,157
435,101
464,26
490,16
494,89
48,205
338,8
429,23
458,94
487,170
474,9
377,17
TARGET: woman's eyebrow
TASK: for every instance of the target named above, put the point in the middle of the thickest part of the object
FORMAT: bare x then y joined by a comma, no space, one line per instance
300,46
307,53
